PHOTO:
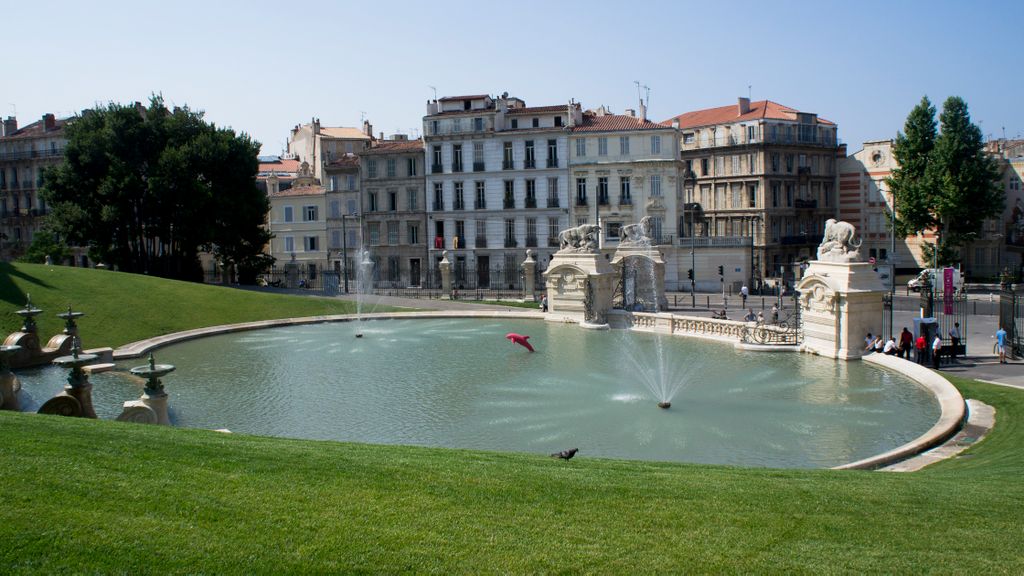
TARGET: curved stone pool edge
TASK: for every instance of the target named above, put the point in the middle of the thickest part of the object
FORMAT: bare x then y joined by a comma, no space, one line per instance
952,407
951,403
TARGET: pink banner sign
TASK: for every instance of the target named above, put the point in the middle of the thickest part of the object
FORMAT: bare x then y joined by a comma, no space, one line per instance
947,291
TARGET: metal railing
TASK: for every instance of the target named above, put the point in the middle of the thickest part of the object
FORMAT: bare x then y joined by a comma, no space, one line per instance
480,205
531,202
478,166
436,169
481,241
509,203
530,163
553,202
507,165
552,162
531,241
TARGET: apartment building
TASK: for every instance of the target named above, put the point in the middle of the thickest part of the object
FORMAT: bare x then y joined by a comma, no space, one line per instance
760,171
319,145
25,153
497,185
297,221
393,213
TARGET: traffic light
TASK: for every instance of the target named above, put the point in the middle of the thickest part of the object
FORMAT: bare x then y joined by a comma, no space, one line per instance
689,273
721,270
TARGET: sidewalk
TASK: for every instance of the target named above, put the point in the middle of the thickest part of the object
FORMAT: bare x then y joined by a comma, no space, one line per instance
988,369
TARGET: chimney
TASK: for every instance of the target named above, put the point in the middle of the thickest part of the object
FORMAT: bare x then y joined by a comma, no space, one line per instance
643,111
630,112
49,122
743,106
10,126
381,135
675,123
368,128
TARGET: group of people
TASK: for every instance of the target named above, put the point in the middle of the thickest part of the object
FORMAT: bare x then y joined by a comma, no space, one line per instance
920,346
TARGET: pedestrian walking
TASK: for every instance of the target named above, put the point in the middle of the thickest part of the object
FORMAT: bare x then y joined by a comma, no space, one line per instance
954,336
936,351
1001,344
775,314
544,303
744,292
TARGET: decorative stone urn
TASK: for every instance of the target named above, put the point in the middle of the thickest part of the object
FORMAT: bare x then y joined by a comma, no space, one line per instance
840,296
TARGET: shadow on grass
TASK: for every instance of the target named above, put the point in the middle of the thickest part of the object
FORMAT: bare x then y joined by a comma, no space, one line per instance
9,292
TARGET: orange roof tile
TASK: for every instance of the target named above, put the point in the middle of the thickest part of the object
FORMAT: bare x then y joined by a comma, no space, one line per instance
614,122
314,190
395,146
761,109
281,165
36,129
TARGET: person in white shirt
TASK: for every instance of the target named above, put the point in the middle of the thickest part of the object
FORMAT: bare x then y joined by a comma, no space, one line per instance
890,347
936,351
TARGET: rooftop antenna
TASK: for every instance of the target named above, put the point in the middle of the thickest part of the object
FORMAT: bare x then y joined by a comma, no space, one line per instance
647,95
637,84
434,88
749,92
362,117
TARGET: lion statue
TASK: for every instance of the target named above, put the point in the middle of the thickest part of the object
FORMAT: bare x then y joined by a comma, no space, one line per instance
837,244
636,234
582,238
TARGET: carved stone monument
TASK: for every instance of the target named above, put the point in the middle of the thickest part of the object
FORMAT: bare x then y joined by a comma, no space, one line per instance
446,274
840,296
641,269
579,280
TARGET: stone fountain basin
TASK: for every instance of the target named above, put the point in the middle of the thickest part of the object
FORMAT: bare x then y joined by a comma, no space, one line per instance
443,381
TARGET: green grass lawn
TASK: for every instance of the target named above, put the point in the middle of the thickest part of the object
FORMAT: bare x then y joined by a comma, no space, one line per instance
122,308
82,496
86,496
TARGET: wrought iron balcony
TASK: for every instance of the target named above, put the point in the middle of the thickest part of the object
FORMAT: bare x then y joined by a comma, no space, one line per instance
480,205
602,200
581,201
553,202
478,166
457,167
530,163
507,165
531,202
801,203
509,203
531,241
438,206
481,241
510,242
459,205
552,162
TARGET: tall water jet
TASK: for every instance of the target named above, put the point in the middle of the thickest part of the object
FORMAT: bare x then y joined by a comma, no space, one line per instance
364,286
642,289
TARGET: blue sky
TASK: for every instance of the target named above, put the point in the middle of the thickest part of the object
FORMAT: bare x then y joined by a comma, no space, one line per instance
262,67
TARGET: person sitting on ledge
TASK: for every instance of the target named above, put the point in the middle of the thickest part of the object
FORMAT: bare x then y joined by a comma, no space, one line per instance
750,317
890,347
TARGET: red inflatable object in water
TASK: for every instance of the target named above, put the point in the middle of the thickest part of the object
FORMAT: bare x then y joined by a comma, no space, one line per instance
519,339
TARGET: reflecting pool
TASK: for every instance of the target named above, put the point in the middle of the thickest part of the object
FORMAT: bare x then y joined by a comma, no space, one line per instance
459,383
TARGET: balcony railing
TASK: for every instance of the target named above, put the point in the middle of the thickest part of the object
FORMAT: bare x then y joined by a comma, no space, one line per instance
459,205
32,154
436,168
625,201
581,201
715,241
481,241
507,165
552,162
602,200
531,202
480,205
531,241
801,203
438,206
510,242
478,166
457,167
509,203
804,171
530,163
553,202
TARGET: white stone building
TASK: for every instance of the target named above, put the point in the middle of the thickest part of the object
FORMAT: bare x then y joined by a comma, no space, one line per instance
297,221
496,185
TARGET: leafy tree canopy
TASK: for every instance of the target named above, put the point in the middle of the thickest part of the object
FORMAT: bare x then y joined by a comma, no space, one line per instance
146,189
945,181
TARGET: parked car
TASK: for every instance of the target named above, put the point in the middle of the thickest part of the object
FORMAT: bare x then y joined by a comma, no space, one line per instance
914,284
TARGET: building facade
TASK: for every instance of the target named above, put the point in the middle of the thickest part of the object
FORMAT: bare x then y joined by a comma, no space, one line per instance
760,171
296,220
496,186
394,217
318,145
25,153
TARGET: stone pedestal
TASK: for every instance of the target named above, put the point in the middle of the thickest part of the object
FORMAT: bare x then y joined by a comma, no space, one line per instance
643,280
840,303
149,409
529,268
580,288
445,266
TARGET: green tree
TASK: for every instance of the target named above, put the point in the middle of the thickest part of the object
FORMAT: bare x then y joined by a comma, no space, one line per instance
45,243
946,182
147,188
